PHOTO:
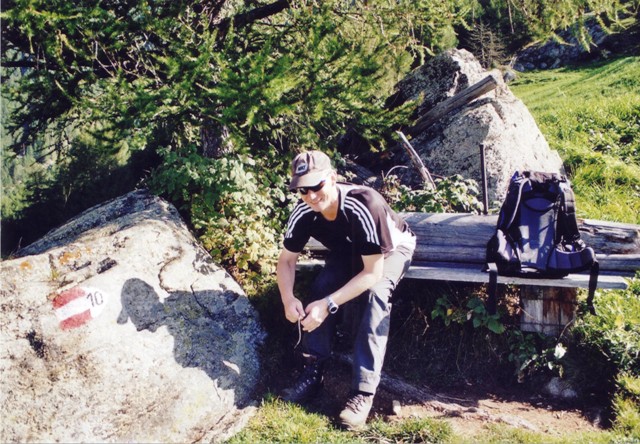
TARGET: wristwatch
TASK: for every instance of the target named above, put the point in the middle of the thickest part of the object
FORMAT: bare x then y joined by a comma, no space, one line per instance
332,306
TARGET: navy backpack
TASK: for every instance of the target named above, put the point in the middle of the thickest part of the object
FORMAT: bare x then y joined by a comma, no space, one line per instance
537,234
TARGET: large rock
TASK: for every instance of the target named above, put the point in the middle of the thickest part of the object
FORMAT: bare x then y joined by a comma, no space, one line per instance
566,50
117,327
498,119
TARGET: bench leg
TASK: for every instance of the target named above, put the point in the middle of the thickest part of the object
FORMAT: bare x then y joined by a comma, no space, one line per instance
547,310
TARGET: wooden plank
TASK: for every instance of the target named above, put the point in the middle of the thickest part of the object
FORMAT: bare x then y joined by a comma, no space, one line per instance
462,237
474,274
627,264
610,237
473,229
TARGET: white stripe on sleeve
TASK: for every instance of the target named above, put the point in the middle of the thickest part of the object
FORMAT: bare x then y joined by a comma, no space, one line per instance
365,217
298,212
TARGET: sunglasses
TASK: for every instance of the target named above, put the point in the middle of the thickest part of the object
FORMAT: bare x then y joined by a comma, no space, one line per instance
305,190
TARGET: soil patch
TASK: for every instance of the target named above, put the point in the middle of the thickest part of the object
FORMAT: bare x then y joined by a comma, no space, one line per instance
467,409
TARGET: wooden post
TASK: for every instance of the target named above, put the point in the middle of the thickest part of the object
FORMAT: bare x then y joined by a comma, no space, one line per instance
547,310
483,172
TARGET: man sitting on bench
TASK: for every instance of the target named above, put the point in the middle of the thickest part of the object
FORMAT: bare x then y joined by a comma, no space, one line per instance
370,249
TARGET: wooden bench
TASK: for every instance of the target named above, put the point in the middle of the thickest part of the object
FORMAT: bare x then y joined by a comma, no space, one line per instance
451,247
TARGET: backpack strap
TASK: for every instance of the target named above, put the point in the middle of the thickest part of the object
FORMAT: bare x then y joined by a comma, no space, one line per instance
511,202
493,287
568,221
569,229
593,283
508,213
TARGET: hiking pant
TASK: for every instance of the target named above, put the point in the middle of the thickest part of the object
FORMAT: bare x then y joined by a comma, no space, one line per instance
371,313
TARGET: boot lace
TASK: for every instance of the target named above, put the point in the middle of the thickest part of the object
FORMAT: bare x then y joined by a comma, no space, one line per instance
356,402
310,376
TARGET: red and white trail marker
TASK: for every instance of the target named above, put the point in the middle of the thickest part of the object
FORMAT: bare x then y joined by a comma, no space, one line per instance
78,305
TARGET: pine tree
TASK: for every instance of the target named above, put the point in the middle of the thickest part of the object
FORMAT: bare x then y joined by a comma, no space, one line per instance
226,86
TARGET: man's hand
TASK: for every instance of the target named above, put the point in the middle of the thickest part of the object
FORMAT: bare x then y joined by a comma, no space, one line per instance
317,312
293,310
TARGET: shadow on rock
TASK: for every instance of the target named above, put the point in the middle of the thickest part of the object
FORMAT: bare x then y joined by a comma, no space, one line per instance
203,324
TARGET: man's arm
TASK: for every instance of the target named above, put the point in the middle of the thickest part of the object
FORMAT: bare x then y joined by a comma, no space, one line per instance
286,275
367,278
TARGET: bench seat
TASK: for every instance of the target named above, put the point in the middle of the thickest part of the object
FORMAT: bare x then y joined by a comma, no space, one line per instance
473,273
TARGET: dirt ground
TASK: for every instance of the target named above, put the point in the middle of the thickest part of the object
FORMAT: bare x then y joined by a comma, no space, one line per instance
471,409
467,409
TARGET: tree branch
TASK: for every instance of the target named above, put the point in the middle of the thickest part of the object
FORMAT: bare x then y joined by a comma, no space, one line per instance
249,17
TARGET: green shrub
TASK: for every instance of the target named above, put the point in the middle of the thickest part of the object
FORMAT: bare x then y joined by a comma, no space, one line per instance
626,405
451,194
236,205
473,310
534,353
614,333
603,354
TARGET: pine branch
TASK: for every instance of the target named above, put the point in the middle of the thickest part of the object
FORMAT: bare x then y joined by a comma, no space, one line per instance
250,17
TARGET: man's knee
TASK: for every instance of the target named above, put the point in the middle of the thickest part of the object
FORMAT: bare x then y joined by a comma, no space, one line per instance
381,291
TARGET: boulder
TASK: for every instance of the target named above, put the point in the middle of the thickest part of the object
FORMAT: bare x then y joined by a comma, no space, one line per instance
563,50
117,327
498,120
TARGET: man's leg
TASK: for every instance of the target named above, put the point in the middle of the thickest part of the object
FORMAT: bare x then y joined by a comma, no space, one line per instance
335,274
371,338
316,345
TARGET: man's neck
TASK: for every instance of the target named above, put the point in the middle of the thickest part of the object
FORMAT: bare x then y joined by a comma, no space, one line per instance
331,213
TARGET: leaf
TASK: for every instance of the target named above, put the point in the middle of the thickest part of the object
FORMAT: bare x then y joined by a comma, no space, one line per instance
495,326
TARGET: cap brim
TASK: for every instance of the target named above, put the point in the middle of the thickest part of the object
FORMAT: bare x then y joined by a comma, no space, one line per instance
308,180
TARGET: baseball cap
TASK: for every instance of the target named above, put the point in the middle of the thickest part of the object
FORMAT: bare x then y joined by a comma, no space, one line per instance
309,168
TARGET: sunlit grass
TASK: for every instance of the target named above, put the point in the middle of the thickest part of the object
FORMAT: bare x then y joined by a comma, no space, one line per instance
591,116
282,422
503,434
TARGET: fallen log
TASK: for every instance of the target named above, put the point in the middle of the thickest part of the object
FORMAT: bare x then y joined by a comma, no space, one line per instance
443,108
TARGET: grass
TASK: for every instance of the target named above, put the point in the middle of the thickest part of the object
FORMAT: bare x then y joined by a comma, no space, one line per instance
281,422
591,116
500,434
278,421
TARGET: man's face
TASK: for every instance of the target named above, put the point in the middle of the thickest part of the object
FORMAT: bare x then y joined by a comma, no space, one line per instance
321,196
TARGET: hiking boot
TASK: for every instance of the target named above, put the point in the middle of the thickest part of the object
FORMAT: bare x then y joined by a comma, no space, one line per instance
308,383
355,413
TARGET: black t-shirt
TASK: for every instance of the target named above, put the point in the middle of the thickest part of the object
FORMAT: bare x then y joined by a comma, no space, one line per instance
364,221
